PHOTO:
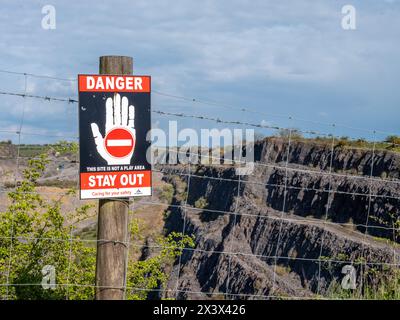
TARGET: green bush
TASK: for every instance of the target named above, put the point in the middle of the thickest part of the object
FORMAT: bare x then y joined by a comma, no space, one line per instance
146,276
201,203
167,193
34,233
393,139
64,147
378,285
294,134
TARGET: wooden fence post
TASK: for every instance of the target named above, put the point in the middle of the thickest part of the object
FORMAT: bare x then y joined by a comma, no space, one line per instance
112,234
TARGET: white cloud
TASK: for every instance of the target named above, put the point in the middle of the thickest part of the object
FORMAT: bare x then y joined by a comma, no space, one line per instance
203,48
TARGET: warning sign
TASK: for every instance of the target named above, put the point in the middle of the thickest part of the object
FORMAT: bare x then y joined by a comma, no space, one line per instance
114,120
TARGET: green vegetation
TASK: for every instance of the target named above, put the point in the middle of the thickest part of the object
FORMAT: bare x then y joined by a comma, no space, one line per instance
373,282
89,233
34,233
31,150
294,134
381,284
392,222
391,143
148,275
167,193
346,142
282,270
59,183
64,147
180,189
201,203
34,150
393,140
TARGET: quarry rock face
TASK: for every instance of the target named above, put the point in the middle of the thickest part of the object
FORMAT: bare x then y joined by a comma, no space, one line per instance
289,227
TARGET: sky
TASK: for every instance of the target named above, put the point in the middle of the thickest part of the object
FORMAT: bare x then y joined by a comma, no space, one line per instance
288,62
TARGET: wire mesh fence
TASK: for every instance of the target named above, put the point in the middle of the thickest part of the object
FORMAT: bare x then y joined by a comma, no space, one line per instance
284,231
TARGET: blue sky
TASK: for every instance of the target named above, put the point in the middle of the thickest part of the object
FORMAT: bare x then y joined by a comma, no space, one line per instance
282,58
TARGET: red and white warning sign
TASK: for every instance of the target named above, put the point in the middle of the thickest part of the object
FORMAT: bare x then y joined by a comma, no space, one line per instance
114,119
118,184
119,142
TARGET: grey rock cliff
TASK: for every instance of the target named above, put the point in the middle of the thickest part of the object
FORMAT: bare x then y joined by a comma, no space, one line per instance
286,231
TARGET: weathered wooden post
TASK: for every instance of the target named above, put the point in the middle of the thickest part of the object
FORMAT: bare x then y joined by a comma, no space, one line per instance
112,234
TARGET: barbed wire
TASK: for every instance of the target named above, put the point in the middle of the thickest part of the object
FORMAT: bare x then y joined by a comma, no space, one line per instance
183,115
47,98
215,103
202,293
269,184
268,214
138,244
35,75
267,114
213,211
263,184
238,162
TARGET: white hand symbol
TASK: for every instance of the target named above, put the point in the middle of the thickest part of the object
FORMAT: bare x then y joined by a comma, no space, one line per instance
118,116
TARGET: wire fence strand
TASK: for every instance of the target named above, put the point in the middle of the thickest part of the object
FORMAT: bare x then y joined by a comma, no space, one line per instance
287,168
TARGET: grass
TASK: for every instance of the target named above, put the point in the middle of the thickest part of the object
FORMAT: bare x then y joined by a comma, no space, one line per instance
180,188
34,150
381,285
201,203
374,283
167,193
282,270
390,143
65,184
89,233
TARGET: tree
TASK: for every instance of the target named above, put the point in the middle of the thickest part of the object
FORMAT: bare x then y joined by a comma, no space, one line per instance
293,133
148,275
394,141
34,233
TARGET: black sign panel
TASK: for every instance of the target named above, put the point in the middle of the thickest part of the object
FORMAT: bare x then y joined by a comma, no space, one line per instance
114,120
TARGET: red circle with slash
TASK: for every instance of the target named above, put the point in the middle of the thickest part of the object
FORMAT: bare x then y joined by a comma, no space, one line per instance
119,142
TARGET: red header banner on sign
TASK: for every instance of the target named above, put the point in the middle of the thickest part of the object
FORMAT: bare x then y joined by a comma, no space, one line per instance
114,83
